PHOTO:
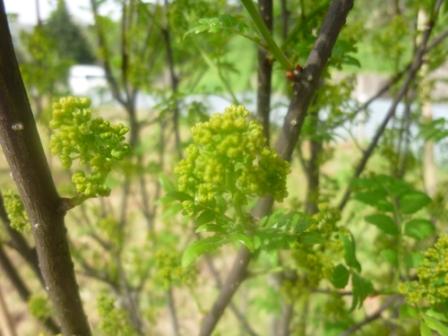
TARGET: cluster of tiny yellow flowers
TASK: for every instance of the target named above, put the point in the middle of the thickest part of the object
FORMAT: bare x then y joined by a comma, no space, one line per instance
431,286
39,306
15,211
96,143
325,220
169,271
113,318
230,162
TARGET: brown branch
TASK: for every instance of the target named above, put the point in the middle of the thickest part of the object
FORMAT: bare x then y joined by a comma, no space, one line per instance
285,18
265,72
174,80
393,301
6,321
24,293
173,312
411,75
23,150
304,91
105,55
233,307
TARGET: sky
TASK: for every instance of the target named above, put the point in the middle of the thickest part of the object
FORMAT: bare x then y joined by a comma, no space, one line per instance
26,9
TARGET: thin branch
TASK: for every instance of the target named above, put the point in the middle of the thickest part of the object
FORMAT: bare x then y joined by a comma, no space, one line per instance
393,301
304,90
264,31
233,307
105,55
173,312
174,80
265,71
17,282
6,318
411,74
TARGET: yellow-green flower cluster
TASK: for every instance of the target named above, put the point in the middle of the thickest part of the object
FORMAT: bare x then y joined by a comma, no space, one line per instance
431,286
325,220
39,306
113,319
169,271
230,162
15,211
96,143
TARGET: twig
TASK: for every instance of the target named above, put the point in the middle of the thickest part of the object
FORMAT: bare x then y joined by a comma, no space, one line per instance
412,72
24,293
304,90
265,71
266,34
393,301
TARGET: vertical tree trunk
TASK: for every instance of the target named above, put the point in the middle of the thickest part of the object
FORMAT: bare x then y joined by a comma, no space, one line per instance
23,150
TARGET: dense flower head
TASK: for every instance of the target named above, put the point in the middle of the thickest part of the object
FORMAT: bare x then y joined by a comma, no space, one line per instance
15,211
113,318
95,142
229,161
39,306
431,286
168,269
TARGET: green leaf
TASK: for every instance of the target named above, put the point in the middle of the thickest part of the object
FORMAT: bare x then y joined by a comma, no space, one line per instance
424,330
419,228
414,201
312,238
205,217
375,198
167,184
390,256
220,24
384,223
436,325
340,276
437,315
200,247
243,239
361,290
350,252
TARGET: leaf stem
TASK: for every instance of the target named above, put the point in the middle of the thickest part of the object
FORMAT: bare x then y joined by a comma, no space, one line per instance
266,34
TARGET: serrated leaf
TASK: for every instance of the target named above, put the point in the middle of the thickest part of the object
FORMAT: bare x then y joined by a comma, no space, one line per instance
361,290
437,315
384,223
436,325
419,228
200,247
219,24
425,330
340,276
350,252
414,201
